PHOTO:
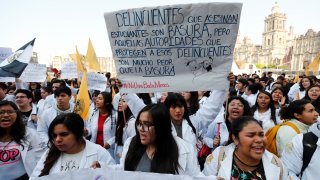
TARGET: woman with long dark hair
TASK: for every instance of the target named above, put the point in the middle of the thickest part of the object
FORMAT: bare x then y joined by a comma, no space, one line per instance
125,128
68,150
20,146
192,100
298,90
154,148
102,124
264,111
184,126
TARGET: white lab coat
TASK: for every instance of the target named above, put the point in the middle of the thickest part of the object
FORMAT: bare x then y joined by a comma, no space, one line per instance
200,120
92,152
45,120
294,91
286,133
213,129
109,130
128,131
292,157
187,157
32,151
270,165
31,124
266,120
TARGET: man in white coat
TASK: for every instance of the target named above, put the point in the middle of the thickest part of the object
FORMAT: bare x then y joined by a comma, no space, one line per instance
292,157
63,96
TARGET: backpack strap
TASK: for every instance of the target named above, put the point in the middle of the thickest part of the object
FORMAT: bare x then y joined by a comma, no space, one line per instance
221,157
292,125
309,142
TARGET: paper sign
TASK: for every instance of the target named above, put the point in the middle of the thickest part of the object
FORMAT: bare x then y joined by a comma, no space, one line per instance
96,81
174,48
69,70
34,73
7,79
4,53
110,174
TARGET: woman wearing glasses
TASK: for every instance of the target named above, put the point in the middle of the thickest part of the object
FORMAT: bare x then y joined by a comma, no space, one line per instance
189,128
20,146
154,148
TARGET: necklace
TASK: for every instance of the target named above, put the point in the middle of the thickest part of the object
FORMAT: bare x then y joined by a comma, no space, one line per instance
244,162
4,147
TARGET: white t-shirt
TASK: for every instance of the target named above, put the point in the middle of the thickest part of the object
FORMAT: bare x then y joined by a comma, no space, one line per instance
70,161
11,165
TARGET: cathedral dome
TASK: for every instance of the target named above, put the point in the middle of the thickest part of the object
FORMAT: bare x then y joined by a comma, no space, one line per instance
275,8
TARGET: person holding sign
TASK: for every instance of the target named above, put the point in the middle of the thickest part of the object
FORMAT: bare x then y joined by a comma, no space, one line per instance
185,126
125,127
68,149
154,148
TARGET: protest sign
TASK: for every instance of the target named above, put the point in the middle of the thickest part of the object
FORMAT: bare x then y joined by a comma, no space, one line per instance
110,174
4,53
7,79
34,73
69,70
96,81
174,48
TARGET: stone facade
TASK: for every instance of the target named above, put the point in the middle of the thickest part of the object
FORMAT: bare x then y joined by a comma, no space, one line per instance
279,46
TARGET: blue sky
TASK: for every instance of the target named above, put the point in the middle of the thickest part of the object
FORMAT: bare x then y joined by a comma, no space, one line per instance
60,25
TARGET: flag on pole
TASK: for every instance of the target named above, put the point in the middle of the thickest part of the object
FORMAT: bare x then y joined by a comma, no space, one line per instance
78,60
82,104
14,65
314,65
92,58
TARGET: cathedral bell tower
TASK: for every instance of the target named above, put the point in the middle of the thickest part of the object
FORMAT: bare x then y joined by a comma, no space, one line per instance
274,36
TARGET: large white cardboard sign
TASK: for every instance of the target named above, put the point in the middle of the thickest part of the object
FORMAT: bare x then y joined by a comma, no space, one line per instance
96,81
69,70
174,48
109,174
34,73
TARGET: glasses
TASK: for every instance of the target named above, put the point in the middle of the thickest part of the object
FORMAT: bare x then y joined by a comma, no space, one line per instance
17,97
2,112
144,127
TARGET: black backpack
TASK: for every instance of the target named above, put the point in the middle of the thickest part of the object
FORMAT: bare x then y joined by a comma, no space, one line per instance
309,142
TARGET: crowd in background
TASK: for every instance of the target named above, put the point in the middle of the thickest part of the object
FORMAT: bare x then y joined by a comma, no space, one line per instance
256,129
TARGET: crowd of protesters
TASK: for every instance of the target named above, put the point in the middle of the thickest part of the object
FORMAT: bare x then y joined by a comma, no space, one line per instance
260,128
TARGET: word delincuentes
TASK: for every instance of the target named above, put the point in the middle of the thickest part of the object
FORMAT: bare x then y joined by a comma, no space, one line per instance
151,17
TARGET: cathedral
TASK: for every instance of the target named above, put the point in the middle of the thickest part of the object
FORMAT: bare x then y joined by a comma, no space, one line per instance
280,46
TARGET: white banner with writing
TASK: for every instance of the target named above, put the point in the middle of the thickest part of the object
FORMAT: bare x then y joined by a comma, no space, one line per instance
109,174
69,70
174,48
7,79
34,73
96,81
4,53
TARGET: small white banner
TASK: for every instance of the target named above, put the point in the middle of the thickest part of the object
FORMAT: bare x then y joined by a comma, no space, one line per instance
4,53
174,48
109,174
96,81
69,70
7,79
34,73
